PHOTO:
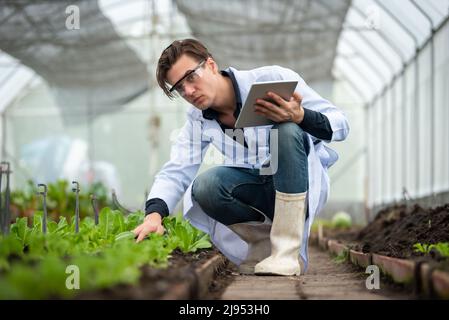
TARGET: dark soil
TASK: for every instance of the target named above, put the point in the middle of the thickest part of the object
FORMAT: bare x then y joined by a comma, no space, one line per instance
154,283
395,230
222,280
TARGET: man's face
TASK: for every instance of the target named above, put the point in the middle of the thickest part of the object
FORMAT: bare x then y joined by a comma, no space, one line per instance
198,88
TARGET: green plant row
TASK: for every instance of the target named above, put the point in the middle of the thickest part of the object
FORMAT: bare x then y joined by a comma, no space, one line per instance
34,265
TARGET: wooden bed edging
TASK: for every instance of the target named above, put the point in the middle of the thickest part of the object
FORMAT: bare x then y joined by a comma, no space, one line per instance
196,286
424,279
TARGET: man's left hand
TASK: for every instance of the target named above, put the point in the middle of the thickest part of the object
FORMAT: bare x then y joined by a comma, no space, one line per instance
283,110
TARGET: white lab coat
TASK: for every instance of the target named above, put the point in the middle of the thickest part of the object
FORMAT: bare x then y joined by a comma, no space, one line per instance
177,176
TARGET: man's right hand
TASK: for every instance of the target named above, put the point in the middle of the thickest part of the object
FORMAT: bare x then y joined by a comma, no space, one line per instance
152,223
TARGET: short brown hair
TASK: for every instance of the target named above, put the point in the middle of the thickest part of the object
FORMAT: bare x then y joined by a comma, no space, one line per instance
172,53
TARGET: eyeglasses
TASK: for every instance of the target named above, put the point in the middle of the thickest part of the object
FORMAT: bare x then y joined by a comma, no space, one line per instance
190,77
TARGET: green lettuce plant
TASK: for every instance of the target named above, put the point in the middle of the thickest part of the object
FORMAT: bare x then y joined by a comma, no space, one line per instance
184,236
33,264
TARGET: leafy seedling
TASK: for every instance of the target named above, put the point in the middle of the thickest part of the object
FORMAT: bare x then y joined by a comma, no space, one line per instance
342,257
423,247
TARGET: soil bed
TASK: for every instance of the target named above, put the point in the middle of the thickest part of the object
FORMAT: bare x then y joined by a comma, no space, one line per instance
395,230
155,283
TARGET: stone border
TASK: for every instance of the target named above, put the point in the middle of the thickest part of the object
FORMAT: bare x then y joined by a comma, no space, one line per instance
440,284
360,259
421,276
400,270
197,286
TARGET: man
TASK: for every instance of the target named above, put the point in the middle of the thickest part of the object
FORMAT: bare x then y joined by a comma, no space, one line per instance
259,221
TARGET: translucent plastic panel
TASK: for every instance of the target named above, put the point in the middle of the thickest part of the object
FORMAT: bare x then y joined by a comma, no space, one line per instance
40,143
406,13
374,49
130,17
351,43
378,16
356,79
123,10
17,80
392,28
437,10
8,66
408,18
366,71
442,110
344,90
383,29
6,72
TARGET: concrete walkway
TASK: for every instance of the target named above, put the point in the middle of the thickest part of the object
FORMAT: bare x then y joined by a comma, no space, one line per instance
325,279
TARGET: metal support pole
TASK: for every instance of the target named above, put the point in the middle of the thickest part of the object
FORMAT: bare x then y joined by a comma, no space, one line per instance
44,205
77,208
394,141
93,199
6,214
404,132
3,136
367,162
432,97
382,150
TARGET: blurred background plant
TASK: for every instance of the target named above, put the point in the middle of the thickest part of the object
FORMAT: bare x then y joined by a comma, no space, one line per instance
60,200
341,220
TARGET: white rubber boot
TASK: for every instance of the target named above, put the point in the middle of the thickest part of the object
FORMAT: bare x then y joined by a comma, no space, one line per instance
257,236
286,236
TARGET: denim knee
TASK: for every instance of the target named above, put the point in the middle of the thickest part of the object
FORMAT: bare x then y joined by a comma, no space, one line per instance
292,173
208,189
290,136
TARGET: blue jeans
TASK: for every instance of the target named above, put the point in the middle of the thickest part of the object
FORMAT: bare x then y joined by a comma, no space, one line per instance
233,195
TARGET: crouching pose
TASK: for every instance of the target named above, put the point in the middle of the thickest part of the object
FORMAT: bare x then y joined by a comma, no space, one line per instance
259,204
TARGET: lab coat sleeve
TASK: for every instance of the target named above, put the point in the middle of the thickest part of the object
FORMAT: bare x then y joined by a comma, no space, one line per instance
313,101
185,159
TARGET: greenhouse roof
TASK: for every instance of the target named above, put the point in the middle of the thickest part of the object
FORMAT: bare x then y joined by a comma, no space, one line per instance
111,59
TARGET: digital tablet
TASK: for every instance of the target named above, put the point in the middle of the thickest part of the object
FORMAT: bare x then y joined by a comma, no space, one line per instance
247,117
